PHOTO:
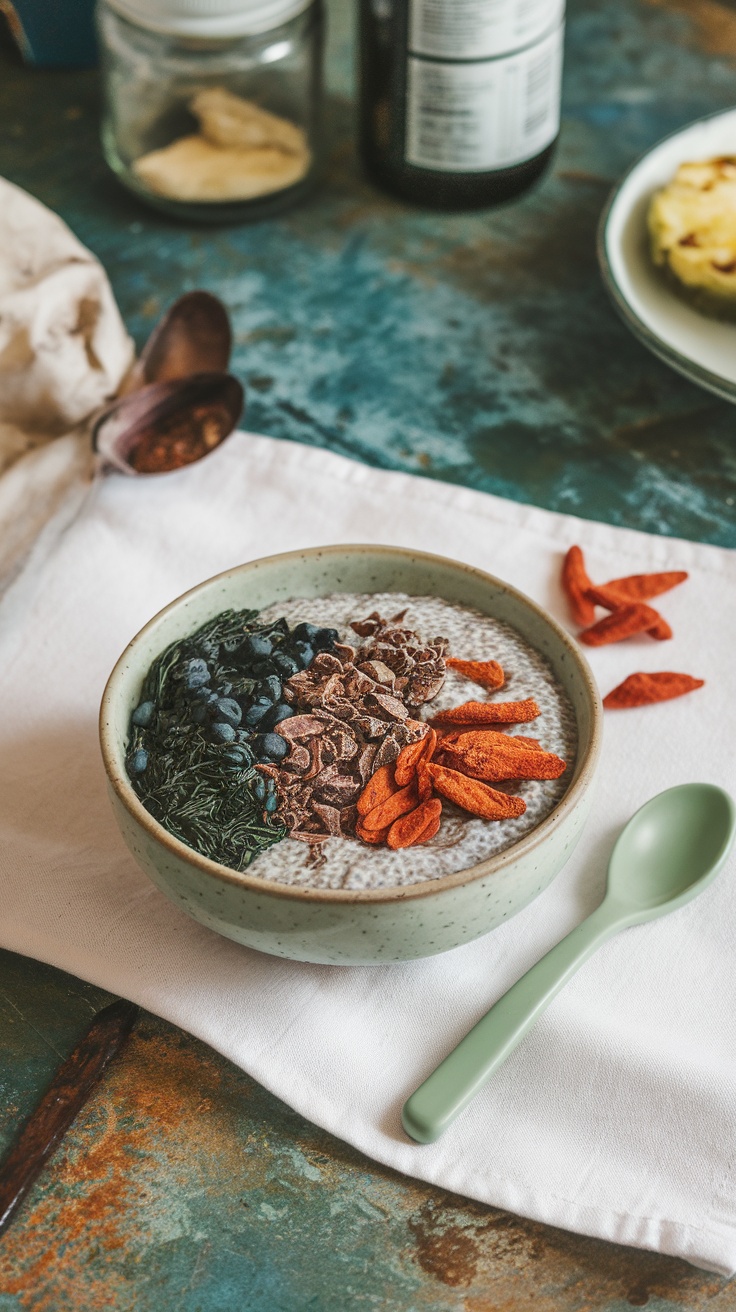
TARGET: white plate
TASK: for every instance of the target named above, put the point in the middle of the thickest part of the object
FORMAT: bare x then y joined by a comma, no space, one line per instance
702,349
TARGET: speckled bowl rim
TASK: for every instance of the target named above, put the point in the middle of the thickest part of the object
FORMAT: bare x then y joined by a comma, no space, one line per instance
536,837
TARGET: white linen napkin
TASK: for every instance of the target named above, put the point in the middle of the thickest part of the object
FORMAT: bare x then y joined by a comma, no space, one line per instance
616,1115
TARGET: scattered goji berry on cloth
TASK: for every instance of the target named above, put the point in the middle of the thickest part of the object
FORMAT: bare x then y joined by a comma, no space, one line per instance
625,623
662,631
575,581
635,587
615,601
645,689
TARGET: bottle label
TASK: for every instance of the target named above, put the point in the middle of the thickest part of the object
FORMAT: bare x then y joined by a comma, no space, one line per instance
481,115
478,29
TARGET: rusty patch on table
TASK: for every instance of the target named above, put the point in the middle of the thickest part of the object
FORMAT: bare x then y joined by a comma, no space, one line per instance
99,1184
177,1127
713,24
465,1245
564,251
662,437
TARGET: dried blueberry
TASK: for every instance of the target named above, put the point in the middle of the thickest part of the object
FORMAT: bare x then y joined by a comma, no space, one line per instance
259,788
304,654
225,708
257,645
271,802
280,712
143,714
195,674
262,669
305,632
285,664
257,710
272,747
139,761
239,756
222,732
324,639
270,687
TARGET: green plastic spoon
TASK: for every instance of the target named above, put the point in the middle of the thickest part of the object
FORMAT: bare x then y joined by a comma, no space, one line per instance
667,854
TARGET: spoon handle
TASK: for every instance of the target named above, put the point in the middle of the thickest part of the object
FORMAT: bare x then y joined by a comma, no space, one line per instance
450,1087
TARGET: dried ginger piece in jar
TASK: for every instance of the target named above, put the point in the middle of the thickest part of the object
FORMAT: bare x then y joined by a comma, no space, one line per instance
228,120
241,152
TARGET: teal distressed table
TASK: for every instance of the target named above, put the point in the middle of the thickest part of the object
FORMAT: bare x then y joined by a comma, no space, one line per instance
476,348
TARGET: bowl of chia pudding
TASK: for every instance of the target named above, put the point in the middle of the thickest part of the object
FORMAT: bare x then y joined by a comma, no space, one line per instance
351,754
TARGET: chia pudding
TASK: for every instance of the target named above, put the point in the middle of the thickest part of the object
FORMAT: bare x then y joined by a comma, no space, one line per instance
462,840
262,760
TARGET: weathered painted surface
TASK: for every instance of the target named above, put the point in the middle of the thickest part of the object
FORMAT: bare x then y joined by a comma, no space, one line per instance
185,1186
478,348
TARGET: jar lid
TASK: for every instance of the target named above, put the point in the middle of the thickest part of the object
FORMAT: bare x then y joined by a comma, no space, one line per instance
217,18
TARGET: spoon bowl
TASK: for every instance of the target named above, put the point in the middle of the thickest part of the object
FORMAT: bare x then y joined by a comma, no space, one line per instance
167,425
670,849
177,403
193,337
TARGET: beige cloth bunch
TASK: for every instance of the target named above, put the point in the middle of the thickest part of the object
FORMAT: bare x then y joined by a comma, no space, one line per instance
63,352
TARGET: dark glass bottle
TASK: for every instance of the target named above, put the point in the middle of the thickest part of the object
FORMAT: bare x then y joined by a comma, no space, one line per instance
459,99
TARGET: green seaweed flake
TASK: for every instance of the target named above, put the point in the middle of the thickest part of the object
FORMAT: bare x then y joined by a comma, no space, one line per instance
189,784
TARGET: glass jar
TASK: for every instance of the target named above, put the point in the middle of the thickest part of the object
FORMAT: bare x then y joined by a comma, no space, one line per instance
212,107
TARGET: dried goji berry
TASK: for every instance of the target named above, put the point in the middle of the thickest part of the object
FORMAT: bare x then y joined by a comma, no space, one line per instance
499,756
406,762
635,587
488,674
372,836
623,623
418,826
575,581
489,713
661,630
473,796
386,812
424,781
644,689
380,786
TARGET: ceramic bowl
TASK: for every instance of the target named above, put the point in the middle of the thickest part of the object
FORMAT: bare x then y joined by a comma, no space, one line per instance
351,927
